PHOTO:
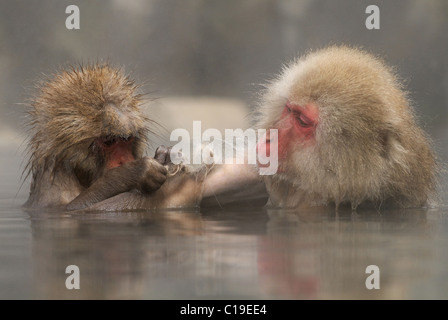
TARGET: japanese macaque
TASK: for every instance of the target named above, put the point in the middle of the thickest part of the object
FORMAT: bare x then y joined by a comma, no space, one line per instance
89,134
346,136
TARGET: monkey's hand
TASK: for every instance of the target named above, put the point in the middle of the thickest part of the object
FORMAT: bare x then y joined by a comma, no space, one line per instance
153,176
163,155
145,174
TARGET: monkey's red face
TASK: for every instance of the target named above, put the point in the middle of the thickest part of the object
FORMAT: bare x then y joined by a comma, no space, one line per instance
296,126
117,151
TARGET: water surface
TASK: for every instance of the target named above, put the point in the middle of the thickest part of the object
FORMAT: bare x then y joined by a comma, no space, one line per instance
257,254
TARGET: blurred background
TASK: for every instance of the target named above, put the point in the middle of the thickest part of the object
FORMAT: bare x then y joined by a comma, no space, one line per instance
206,59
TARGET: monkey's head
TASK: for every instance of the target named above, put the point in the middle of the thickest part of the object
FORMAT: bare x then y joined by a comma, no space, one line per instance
87,118
346,132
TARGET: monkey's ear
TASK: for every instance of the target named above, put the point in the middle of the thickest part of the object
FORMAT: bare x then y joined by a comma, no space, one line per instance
392,148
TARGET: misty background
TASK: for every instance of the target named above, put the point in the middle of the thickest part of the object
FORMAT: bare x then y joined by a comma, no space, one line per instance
208,58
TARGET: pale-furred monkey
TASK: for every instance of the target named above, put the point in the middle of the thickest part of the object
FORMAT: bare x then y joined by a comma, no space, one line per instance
347,135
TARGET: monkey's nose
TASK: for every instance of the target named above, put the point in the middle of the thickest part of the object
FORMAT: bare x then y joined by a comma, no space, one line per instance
114,118
267,137
263,142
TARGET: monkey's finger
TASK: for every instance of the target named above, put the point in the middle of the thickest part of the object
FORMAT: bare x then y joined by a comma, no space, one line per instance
168,155
158,178
152,166
161,169
161,154
153,183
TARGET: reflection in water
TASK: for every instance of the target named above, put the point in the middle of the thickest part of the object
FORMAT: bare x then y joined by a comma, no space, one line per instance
325,256
166,254
117,253
267,254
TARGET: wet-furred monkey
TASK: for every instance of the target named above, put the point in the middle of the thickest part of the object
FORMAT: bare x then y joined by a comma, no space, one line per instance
347,135
86,150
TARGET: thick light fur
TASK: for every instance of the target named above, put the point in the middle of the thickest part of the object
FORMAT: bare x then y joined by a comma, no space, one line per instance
368,146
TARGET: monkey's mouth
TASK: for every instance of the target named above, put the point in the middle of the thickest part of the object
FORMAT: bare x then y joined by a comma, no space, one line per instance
117,150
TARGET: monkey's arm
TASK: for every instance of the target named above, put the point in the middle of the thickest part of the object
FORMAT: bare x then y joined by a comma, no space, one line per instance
226,184
234,184
53,189
145,175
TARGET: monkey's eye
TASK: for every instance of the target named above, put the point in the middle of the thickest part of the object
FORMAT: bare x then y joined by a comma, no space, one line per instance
288,109
110,142
304,121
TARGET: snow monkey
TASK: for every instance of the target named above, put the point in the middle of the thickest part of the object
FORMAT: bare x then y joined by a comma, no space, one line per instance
347,135
86,151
